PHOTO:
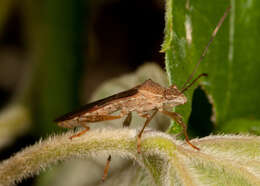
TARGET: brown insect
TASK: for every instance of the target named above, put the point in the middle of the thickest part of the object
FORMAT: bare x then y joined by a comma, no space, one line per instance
145,99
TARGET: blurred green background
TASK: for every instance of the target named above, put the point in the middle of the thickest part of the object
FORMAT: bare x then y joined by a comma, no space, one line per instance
54,54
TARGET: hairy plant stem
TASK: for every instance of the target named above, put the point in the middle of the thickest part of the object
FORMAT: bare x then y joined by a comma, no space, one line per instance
167,160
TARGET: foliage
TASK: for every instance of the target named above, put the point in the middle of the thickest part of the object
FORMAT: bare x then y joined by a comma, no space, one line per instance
231,61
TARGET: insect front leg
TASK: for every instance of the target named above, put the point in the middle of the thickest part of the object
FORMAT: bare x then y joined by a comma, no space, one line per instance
148,119
176,117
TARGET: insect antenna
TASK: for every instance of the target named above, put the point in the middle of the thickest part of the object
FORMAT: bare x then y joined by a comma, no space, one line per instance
186,86
189,85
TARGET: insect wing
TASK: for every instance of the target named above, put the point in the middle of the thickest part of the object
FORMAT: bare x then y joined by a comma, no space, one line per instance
97,104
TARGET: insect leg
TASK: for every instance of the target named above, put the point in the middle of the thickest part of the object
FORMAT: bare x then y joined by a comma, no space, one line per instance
94,118
97,118
106,168
176,117
81,132
148,119
127,120
126,123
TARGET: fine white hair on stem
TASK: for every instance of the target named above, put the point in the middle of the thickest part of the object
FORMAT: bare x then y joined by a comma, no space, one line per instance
165,159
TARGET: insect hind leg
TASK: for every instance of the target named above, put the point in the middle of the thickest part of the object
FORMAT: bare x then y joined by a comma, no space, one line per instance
92,118
98,118
81,132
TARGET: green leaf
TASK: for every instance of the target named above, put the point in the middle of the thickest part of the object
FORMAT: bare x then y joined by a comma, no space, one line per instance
231,62
241,125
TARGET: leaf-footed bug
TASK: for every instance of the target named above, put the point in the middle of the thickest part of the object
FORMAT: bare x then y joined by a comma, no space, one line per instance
145,99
